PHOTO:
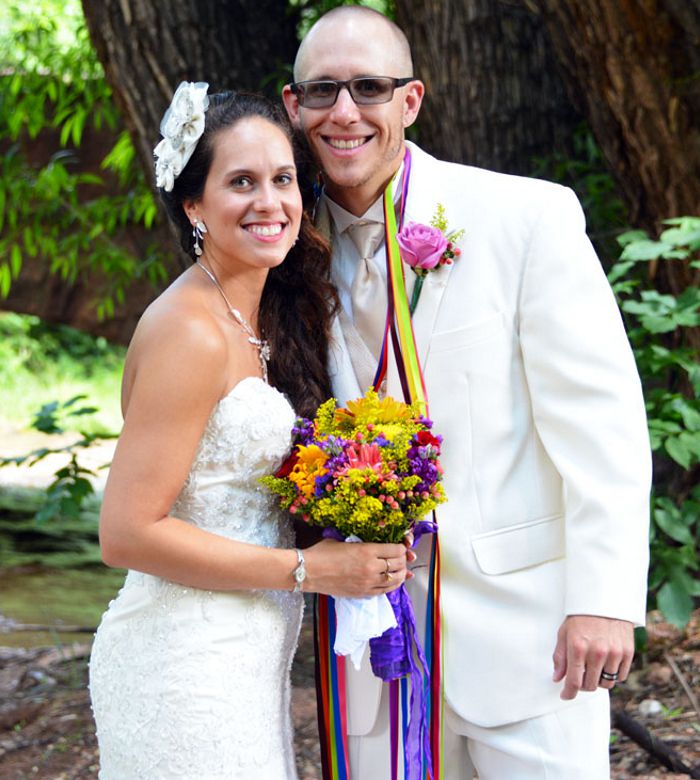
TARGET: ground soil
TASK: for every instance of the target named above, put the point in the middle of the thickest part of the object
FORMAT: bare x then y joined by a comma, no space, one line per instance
47,733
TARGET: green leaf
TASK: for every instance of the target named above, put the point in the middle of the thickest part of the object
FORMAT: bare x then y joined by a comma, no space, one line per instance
679,236
675,603
15,260
669,520
5,280
619,270
632,235
645,250
691,416
677,449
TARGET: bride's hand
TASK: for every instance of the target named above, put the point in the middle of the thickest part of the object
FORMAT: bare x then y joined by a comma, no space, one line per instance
356,569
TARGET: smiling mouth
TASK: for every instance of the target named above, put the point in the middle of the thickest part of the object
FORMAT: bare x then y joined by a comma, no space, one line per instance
265,230
346,143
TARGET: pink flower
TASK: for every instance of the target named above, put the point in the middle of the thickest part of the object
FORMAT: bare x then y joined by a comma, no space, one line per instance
422,246
365,456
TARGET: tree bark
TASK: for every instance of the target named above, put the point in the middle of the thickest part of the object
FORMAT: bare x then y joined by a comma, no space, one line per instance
632,66
147,48
494,96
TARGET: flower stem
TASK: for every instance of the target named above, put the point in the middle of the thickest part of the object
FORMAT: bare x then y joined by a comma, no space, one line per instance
417,287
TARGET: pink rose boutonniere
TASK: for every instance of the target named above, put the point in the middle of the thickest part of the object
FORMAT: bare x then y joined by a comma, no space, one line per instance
427,247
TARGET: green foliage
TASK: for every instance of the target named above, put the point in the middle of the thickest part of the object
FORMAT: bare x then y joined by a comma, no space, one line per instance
40,362
52,87
312,10
37,362
658,327
56,526
66,495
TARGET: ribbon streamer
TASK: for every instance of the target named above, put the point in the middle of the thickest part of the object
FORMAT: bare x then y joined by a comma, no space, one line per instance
417,722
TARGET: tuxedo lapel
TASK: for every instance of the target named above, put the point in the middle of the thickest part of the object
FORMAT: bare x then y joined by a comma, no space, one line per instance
421,205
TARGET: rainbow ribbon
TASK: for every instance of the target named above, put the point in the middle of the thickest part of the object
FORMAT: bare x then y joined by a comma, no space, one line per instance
330,668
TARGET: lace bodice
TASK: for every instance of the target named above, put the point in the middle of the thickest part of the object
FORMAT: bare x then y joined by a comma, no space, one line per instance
246,437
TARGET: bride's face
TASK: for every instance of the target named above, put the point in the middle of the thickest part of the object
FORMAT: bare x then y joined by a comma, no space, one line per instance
251,204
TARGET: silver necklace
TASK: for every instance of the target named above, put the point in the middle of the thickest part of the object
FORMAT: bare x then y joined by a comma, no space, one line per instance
261,345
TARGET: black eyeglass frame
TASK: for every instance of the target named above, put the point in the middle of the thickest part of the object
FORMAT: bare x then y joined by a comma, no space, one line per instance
298,89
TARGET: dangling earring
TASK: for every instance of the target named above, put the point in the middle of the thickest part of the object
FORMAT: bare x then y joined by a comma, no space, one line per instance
198,233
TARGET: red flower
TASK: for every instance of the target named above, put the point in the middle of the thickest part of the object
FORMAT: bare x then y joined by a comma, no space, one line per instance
286,468
424,438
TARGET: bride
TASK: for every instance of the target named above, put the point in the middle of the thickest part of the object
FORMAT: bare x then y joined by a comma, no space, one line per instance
189,674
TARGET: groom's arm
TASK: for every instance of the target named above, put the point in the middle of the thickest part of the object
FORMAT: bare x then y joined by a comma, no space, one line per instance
589,413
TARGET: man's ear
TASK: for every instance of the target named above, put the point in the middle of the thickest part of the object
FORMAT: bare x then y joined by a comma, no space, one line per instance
291,103
412,101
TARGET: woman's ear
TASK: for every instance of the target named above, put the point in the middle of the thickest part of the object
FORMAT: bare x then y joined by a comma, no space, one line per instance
191,211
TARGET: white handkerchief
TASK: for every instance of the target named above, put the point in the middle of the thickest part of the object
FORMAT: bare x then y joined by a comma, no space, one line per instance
359,620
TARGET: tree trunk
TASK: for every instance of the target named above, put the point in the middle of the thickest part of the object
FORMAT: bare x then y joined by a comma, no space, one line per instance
494,94
148,47
632,67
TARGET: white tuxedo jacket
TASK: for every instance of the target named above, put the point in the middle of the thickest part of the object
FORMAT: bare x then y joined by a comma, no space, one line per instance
532,384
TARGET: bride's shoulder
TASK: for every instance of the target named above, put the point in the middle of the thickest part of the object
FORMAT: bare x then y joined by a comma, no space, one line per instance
178,318
175,330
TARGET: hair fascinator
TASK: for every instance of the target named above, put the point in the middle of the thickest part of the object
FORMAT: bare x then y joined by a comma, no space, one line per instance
181,127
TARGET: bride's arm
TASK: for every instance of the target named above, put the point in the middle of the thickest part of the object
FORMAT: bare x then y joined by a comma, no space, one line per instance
177,373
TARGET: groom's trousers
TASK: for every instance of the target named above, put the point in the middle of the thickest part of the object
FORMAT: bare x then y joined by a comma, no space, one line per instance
569,744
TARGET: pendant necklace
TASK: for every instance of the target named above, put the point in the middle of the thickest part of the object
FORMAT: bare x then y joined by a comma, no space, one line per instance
261,345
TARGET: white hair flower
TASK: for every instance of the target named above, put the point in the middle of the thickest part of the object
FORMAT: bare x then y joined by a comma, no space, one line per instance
181,127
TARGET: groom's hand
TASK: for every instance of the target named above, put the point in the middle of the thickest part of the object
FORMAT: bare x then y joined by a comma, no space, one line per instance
586,647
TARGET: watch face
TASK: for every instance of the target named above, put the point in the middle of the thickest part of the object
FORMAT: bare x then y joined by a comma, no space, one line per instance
300,573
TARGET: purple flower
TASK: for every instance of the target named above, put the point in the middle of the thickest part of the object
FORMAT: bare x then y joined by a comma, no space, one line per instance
303,431
422,246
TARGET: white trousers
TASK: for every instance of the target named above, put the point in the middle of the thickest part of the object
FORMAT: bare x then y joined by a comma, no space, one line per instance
569,744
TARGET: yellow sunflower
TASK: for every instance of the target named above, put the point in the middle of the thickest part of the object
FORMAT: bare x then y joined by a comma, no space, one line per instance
310,465
373,409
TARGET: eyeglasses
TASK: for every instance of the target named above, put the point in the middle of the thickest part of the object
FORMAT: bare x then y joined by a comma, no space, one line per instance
365,90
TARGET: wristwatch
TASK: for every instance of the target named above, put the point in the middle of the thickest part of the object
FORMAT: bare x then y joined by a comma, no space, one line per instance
299,572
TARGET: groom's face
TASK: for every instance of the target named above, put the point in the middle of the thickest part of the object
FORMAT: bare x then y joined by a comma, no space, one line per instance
358,147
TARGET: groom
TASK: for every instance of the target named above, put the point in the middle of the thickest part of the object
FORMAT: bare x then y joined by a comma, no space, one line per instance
531,382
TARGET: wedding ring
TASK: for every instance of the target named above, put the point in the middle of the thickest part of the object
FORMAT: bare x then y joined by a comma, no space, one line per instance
386,561
609,676
388,575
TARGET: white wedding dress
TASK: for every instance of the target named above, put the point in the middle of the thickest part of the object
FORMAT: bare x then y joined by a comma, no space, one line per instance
194,684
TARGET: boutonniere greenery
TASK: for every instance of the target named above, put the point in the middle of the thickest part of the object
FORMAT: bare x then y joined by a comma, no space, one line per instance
427,247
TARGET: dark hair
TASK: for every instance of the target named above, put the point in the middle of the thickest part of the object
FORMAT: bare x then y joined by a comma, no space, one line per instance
298,300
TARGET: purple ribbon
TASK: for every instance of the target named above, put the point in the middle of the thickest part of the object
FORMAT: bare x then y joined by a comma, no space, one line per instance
393,655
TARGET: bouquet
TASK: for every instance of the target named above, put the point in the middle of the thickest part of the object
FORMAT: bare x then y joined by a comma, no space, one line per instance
369,472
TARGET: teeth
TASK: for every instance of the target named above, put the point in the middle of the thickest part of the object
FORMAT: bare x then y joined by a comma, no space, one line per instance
339,143
265,230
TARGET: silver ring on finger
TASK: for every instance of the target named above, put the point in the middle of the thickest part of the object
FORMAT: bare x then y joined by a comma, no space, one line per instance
609,676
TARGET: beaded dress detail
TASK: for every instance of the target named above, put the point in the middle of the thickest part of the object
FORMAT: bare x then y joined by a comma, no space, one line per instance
188,683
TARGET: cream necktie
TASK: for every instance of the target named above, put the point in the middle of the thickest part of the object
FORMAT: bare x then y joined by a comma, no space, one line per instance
368,292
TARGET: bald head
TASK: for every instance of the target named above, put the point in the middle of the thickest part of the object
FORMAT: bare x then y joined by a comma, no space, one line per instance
344,24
